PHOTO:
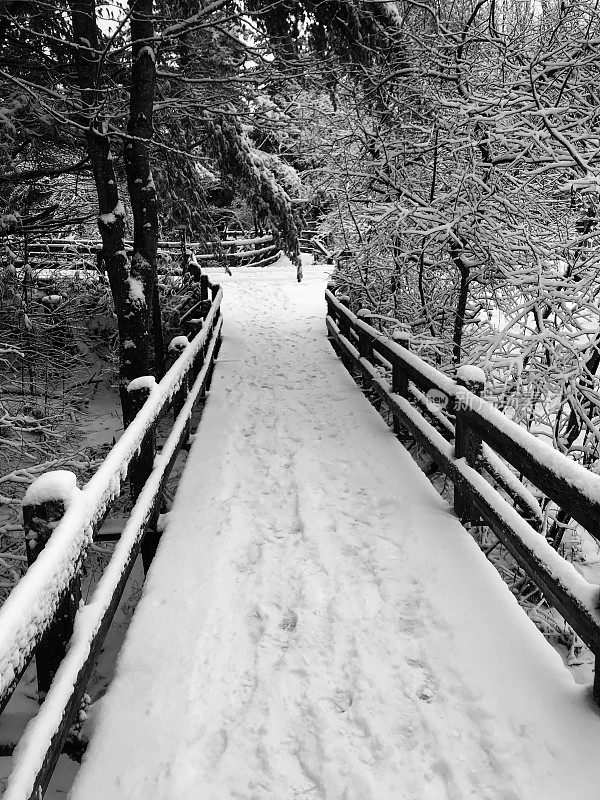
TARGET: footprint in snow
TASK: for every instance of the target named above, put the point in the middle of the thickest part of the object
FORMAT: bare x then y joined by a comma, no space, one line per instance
267,620
289,621
428,687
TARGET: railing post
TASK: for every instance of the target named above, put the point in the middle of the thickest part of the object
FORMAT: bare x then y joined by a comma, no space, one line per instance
365,340
194,270
44,504
204,287
176,348
232,255
467,443
365,346
198,363
142,464
332,312
343,322
205,295
214,291
399,374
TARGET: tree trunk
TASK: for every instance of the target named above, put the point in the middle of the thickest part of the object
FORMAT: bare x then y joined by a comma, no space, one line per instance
142,191
461,305
128,290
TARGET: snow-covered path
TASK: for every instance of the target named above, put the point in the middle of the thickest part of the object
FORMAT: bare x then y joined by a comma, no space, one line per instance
317,624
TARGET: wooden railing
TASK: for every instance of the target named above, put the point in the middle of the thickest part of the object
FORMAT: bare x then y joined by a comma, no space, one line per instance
256,251
245,250
474,441
310,242
42,614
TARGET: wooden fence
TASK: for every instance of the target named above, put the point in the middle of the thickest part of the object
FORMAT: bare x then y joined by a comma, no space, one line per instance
244,250
256,251
42,615
474,445
310,242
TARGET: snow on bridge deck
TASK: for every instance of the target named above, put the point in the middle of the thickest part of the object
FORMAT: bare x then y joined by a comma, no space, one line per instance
317,624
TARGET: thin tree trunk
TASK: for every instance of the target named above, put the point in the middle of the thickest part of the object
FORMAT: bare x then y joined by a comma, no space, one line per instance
142,191
129,299
158,337
461,304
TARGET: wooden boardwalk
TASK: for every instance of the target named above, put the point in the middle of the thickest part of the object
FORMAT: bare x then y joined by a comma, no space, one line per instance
317,623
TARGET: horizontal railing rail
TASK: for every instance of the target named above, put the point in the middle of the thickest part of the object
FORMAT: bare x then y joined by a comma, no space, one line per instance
256,251
310,242
246,250
479,440
42,614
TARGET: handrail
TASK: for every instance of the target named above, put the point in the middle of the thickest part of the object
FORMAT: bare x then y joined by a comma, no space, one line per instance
31,612
310,241
93,245
483,436
264,245
226,249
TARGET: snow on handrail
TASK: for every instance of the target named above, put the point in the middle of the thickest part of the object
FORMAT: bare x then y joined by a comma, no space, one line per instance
492,462
558,568
251,253
268,237
498,431
483,435
69,246
30,754
29,608
430,374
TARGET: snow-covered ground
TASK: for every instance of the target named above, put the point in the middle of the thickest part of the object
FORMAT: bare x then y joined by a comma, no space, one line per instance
317,623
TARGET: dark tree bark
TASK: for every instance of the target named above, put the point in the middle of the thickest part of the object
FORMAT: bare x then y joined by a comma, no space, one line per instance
461,304
131,285
142,191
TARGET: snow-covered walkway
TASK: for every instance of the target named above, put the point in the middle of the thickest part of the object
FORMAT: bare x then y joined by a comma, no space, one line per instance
317,624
